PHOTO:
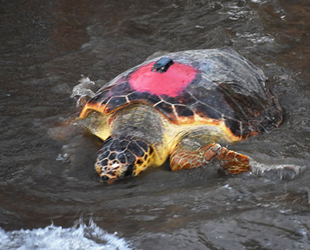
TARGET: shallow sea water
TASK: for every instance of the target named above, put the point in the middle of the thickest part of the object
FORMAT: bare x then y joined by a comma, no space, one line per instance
49,190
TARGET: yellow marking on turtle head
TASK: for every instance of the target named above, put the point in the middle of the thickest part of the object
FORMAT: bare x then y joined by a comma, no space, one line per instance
142,163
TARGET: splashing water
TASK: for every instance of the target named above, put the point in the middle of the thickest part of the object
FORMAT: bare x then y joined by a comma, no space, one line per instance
80,236
284,172
83,91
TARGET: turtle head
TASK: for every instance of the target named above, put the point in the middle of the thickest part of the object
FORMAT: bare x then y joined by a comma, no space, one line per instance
121,157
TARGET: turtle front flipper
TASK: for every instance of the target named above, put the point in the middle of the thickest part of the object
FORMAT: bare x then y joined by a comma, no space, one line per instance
186,158
231,162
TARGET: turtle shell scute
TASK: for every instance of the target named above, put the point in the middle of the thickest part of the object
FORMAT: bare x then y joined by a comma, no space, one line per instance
184,111
167,109
115,101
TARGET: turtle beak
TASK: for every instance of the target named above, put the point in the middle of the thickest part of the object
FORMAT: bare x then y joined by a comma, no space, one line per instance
107,178
108,173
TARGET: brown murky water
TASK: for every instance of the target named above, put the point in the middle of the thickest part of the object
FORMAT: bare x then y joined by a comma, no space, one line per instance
46,46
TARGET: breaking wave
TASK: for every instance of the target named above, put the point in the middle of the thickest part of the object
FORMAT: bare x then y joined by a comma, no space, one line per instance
78,237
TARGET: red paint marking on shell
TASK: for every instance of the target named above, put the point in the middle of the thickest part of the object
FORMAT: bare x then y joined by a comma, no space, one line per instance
171,83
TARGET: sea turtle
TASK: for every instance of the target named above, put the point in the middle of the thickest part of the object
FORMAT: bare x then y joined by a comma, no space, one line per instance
185,105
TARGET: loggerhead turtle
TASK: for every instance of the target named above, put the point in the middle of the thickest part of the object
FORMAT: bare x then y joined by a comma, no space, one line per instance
184,105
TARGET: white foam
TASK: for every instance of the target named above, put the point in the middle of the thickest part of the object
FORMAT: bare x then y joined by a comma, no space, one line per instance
80,236
285,171
83,91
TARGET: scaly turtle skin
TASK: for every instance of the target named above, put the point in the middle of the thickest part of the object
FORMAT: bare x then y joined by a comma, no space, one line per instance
184,104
